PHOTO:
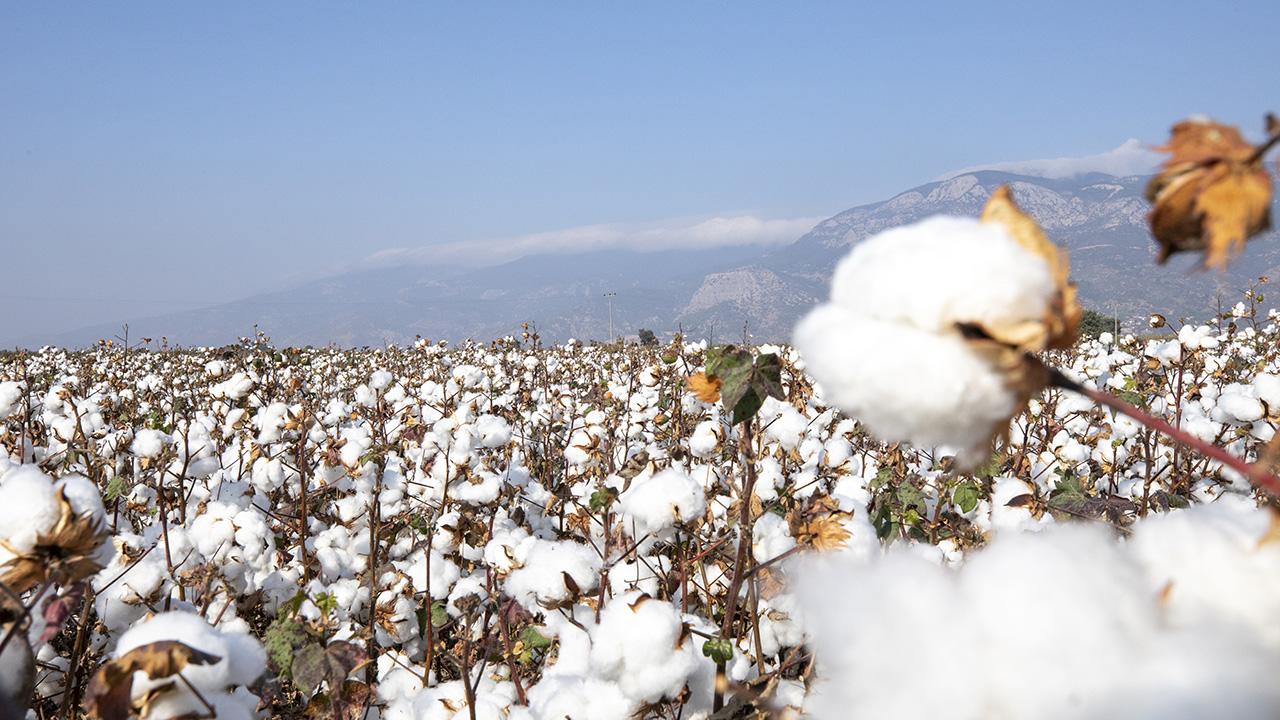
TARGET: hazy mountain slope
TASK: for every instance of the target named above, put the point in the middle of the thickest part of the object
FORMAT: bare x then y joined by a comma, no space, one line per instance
1100,219
714,293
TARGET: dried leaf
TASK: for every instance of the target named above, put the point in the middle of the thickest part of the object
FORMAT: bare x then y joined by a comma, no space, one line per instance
1059,329
706,389
1212,194
109,693
822,533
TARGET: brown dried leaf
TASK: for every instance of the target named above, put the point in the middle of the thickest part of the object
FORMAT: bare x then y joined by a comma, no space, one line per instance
707,389
109,693
1059,329
1212,194
824,532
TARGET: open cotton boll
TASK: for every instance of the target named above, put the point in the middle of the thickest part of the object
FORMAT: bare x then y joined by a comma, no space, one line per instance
581,698
148,443
1214,563
642,644
241,660
940,271
540,583
654,504
782,423
494,432
10,397
925,388
28,508
925,333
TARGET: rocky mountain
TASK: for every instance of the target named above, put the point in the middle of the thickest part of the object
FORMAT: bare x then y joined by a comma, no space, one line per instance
722,293
1101,219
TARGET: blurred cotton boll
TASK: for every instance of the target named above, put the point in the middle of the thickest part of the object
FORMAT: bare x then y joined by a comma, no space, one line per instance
925,336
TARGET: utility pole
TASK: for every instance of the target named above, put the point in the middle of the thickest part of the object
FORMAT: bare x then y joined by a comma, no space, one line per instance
610,296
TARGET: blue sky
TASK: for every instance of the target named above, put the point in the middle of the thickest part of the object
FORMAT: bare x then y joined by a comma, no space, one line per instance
157,153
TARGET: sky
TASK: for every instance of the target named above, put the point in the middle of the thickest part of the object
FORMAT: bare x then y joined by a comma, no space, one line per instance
157,156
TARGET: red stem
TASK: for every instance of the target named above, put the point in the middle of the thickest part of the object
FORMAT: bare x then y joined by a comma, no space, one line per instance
1255,473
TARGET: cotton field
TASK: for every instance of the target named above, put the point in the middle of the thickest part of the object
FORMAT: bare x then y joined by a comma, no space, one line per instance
513,530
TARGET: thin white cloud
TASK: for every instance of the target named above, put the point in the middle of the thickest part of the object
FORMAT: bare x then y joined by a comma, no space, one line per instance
1132,157
701,234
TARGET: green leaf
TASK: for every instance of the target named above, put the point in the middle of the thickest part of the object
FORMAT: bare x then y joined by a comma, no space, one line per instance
718,649
116,487
283,635
327,603
534,639
439,615
966,496
602,498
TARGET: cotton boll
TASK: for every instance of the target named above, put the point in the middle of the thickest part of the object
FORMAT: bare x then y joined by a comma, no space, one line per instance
28,508
931,390
1240,404
641,644
654,504
1213,566
771,537
148,443
493,431
540,580
781,423
11,394
580,698
1266,385
241,659
705,439
940,271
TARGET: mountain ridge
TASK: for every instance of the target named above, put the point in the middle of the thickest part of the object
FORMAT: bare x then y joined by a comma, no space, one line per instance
725,292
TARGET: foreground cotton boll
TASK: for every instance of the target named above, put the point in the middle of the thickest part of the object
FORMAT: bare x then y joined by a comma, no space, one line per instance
551,573
905,343
240,661
1057,624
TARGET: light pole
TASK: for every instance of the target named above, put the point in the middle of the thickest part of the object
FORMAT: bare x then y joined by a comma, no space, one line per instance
610,296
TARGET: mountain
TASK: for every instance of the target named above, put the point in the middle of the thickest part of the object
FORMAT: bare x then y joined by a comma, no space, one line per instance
722,293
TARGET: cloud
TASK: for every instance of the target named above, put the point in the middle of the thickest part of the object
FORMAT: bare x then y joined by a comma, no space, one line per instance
700,234
1132,157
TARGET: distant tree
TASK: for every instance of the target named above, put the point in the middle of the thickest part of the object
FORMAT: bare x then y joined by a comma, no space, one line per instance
647,337
1095,323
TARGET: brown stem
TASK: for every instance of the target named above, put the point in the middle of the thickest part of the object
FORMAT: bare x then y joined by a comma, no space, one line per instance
1259,476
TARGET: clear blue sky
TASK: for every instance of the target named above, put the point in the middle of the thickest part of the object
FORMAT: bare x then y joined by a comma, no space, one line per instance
200,151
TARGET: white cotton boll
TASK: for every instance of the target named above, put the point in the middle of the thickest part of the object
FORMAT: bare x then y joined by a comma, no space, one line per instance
28,508
494,432
940,271
782,423
654,504
148,443
380,380
705,439
1238,402
1212,565
930,389
241,658
540,580
1266,385
580,698
770,537
641,644
11,394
